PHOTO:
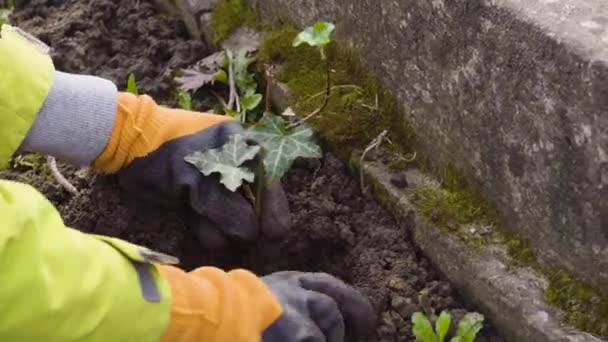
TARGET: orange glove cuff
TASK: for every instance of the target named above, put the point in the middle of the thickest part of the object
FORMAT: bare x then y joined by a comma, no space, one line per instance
142,126
211,305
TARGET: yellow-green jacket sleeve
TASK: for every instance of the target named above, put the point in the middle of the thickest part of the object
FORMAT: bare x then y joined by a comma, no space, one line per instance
61,285
27,76
58,284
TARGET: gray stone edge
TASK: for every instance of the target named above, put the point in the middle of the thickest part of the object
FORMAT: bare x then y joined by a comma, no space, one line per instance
511,297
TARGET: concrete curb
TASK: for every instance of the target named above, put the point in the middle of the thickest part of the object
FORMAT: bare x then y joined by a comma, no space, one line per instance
512,298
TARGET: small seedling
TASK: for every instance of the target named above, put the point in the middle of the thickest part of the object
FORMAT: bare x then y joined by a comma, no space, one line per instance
132,85
467,330
184,100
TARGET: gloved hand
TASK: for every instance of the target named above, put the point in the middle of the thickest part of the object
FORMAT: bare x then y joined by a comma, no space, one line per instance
85,120
317,307
154,169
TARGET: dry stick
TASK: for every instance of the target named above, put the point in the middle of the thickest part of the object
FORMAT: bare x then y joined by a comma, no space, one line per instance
52,163
373,145
219,98
234,96
325,101
269,75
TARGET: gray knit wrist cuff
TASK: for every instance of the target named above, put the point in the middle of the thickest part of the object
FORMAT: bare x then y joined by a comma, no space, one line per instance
76,119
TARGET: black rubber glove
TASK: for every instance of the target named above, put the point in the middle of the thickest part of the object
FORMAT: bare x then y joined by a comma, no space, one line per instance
318,307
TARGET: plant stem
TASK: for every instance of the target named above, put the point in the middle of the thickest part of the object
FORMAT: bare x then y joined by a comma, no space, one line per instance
372,146
52,163
234,95
325,100
260,175
268,74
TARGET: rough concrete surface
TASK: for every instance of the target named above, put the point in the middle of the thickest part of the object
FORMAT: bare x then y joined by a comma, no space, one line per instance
511,297
513,92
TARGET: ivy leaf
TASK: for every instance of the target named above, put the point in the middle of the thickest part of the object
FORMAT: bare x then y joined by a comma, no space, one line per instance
132,85
317,35
422,328
251,102
442,325
469,326
282,146
227,161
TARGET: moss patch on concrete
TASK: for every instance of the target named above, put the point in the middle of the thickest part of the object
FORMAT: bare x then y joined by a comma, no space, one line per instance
359,108
229,15
584,308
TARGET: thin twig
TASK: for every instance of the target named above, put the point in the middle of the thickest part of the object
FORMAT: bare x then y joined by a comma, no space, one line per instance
375,144
219,98
336,87
325,101
234,96
269,75
52,163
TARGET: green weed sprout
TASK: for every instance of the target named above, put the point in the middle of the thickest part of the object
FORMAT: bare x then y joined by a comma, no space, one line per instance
467,330
132,85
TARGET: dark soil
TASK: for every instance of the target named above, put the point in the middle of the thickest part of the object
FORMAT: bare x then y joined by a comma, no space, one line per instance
336,228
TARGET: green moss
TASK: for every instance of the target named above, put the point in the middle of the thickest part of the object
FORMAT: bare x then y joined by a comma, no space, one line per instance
446,209
229,15
519,249
457,202
583,307
30,161
358,109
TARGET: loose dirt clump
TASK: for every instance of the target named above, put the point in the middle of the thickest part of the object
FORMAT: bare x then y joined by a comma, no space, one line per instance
336,228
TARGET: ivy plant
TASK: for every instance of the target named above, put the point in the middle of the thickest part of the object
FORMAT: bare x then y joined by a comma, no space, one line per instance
467,330
281,139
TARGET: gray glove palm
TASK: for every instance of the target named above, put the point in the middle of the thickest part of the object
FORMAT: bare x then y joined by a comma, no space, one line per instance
317,307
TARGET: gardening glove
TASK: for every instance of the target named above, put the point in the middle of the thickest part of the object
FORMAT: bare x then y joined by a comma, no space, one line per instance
85,120
147,148
211,305
317,308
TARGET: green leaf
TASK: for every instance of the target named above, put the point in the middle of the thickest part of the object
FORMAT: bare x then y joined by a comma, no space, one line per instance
251,102
317,35
422,328
243,78
442,325
227,161
221,77
469,326
282,146
132,85
184,99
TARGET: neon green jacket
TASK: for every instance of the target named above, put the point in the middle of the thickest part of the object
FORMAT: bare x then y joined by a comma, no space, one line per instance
58,284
